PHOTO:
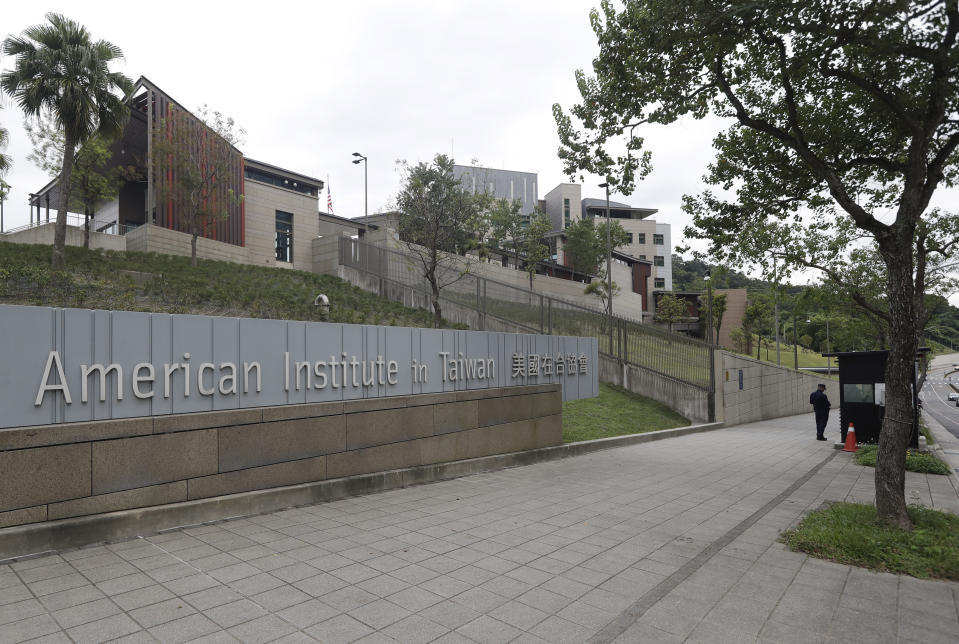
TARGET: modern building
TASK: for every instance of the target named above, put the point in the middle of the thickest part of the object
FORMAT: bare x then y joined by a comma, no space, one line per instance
649,241
272,223
502,184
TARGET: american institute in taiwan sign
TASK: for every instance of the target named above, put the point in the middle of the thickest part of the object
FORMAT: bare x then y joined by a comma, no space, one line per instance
71,365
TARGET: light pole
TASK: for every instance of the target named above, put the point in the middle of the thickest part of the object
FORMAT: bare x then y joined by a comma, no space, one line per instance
366,193
609,269
709,306
828,358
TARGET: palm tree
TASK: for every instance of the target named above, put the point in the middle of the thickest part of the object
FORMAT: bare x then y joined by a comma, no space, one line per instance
58,67
4,159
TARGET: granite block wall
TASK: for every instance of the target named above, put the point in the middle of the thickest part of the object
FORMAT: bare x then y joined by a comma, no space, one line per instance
79,469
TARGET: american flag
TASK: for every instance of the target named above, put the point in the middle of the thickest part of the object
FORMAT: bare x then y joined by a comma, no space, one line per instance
329,198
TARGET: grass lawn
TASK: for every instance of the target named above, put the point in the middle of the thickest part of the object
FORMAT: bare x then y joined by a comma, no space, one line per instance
850,533
915,461
99,279
615,412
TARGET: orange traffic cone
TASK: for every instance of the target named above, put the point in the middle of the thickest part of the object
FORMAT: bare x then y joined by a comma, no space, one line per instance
850,440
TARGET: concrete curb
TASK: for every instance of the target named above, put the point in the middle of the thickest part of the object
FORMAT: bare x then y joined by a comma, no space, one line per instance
20,542
940,433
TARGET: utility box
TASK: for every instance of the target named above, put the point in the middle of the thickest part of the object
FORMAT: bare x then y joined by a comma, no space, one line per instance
862,393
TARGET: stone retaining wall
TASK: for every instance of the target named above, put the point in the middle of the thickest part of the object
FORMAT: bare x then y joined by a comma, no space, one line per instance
767,391
79,469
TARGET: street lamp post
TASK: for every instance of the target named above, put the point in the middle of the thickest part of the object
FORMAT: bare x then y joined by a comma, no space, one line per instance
828,358
795,345
366,192
609,270
709,305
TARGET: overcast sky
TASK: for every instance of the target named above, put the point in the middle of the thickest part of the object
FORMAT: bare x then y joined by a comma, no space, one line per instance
314,82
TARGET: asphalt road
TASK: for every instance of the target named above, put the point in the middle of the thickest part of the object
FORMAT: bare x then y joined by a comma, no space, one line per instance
941,378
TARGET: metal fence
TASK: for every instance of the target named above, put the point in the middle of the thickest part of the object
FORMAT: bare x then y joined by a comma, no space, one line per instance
670,354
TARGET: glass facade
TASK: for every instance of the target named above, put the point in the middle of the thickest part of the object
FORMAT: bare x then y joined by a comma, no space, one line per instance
284,237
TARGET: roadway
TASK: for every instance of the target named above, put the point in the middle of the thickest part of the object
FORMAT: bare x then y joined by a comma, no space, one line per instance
940,379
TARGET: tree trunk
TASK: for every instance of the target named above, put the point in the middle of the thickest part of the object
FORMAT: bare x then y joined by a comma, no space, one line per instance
58,259
435,301
86,228
897,423
193,249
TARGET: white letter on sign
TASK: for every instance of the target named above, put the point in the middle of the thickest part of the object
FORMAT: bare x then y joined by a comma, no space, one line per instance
53,358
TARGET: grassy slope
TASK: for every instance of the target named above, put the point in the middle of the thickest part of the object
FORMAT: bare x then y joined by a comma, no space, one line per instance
95,279
615,412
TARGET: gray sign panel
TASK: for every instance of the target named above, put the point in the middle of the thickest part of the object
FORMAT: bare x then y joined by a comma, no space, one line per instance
71,365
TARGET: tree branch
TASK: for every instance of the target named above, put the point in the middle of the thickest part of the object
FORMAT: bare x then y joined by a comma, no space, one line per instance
819,167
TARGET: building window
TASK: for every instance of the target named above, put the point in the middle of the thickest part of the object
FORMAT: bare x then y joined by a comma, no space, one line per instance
642,257
565,213
284,237
658,239
659,282
630,235
642,238
659,260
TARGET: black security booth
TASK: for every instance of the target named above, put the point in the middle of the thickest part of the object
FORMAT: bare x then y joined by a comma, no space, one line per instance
862,393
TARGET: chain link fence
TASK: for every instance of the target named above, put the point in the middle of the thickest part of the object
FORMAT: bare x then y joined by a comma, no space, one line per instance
670,354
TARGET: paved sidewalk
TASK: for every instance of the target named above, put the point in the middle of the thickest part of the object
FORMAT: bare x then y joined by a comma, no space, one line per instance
662,542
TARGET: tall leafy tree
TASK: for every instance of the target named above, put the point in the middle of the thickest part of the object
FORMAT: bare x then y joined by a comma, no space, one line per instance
505,224
586,247
94,178
532,243
5,161
843,126
59,67
438,220
669,310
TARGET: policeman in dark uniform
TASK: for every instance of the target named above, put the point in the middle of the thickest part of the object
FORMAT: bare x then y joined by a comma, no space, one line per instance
820,403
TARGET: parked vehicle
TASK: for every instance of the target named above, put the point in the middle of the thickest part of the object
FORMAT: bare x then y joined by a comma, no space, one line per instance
953,396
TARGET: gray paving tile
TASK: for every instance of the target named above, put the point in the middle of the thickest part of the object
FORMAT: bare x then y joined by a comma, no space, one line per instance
184,629
161,612
522,616
341,628
84,613
308,613
449,614
29,628
103,630
379,614
262,630
415,598
16,611
234,613
58,584
212,597
486,629
558,630
348,598
191,584
415,630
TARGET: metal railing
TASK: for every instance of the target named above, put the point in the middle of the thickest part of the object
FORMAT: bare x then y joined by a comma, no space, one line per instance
77,221
651,347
